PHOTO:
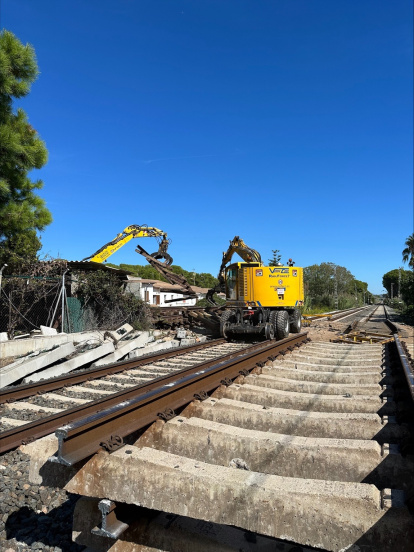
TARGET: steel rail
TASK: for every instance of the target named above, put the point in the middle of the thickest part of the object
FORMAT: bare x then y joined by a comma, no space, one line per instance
31,431
409,376
390,324
44,386
108,428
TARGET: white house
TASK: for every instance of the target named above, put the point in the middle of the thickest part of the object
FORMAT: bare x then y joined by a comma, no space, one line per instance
159,293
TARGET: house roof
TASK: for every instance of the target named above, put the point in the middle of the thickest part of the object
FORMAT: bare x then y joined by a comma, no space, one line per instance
165,286
88,266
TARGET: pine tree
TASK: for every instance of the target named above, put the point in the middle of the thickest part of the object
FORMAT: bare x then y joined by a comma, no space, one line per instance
275,260
22,212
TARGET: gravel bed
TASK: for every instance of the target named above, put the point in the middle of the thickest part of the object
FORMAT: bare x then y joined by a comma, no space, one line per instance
50,403
131,380
32,517
110,387
25,415
5,427
80,395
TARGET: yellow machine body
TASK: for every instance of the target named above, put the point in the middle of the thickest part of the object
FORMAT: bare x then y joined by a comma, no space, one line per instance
254,285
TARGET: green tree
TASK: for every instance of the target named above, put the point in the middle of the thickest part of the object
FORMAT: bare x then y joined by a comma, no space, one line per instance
391,278
407,290
408,252
275,260
22,212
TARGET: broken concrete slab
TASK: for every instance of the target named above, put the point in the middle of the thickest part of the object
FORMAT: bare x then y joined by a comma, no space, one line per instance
120,333
333,515
123,349
181,333
27,365
3,336
14,348
73,363
187,341
46,330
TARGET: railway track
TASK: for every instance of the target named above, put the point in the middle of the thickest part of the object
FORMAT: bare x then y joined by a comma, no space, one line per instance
292,446
30,411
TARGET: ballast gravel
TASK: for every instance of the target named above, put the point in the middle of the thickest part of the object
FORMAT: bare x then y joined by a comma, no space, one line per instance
32,517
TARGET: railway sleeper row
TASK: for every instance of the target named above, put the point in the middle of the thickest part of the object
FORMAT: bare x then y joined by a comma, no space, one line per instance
306,452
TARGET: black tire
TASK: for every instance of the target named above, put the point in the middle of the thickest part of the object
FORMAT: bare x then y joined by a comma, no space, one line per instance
296,321
282,324
224,319
273,320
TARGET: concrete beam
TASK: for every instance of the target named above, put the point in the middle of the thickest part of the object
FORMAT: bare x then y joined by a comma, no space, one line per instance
304,401
123,349
18,347
318,365
154,348
309,375
296,422
151,531
27,365
73,363
279,454
120,333
325,388
327,514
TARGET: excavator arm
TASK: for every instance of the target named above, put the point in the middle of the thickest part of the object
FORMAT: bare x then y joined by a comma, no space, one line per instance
248,255
134,231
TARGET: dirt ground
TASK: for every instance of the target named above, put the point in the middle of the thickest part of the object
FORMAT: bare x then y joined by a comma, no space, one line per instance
325,330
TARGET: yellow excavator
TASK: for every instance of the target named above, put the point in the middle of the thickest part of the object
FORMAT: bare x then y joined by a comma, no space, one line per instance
260,300
134,231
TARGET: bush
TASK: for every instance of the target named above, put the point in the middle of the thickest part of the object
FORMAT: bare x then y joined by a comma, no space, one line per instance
106,304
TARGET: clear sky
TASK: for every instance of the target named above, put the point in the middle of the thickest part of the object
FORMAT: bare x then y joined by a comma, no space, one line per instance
287,122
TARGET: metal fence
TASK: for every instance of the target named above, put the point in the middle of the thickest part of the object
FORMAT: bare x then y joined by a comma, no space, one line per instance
27,302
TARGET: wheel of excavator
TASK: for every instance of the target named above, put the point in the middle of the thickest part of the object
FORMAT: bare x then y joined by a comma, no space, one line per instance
296,321
224,322
282,324
273,320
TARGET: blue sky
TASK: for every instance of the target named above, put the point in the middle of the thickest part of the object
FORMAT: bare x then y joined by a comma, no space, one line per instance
287,122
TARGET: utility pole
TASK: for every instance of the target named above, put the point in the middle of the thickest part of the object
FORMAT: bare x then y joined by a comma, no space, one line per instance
1,274
392,285
63,300
335,289
399,283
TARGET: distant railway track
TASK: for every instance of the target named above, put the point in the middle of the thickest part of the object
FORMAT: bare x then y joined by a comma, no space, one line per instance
285,444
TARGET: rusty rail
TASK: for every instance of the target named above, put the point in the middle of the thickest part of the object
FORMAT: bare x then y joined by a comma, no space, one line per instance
108,427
